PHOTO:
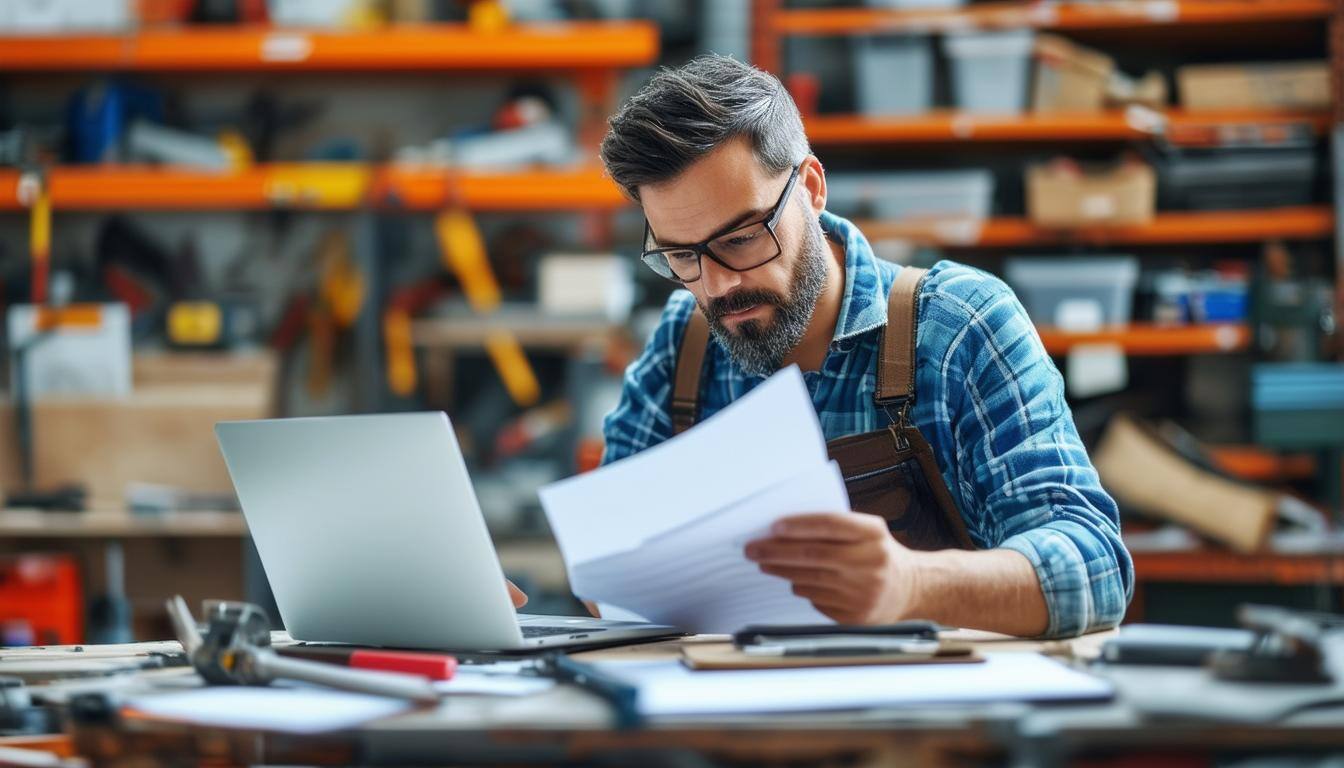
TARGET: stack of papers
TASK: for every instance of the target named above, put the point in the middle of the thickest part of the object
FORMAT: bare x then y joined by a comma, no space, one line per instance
282,708
660,535
669,689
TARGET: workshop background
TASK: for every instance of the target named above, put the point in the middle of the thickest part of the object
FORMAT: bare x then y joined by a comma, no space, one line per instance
225,209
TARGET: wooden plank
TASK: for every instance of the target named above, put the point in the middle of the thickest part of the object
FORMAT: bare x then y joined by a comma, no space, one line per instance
38,524
539,331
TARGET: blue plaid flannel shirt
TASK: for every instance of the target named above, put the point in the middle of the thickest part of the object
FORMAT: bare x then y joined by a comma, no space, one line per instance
989,400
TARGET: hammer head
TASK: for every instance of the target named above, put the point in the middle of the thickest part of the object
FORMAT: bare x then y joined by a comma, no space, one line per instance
235,632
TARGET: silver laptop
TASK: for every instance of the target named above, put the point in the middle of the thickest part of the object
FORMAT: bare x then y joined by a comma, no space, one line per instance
370,533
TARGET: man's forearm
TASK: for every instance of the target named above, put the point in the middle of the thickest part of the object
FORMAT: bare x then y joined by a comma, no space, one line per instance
995,590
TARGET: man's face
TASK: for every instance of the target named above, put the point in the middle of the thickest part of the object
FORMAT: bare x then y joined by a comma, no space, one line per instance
759,315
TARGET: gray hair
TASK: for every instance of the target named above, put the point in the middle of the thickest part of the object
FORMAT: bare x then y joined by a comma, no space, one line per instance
683,114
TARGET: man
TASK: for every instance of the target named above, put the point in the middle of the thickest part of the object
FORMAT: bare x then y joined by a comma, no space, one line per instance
939,400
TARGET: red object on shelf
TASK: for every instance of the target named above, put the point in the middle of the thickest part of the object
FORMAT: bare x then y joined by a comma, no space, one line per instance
805,88
46,593
589,453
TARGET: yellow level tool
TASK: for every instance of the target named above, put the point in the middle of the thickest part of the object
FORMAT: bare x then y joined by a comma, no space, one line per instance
463,251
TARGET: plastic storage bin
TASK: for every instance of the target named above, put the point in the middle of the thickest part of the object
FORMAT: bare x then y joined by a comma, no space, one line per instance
904,196
894,75
989,69
1075,293
1222,179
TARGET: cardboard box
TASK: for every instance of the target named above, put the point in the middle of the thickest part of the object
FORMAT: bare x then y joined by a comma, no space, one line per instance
162,433
1062,194
1292,85
1069,77
595,285
1146,474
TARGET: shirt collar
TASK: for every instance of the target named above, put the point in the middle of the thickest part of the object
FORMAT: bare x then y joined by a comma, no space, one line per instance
863,307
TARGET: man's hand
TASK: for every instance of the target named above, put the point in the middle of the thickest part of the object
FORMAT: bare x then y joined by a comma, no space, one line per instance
518,596
847,564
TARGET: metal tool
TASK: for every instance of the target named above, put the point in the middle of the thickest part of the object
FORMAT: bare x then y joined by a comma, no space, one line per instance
236,650
1288,647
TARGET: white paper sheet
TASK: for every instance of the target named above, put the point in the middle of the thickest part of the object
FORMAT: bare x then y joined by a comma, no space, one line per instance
290,710
493,684
696,577
668,688
768,435
659,535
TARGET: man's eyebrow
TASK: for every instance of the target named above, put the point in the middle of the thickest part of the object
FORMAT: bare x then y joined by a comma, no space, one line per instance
732,224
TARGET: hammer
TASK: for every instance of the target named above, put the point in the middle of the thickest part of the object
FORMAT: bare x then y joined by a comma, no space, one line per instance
236,650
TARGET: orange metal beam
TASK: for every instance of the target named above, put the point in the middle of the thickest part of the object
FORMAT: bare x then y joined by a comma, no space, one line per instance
571,45
319,186
1213,566
1259,465
1142,339
1111,15
1175,228
951,126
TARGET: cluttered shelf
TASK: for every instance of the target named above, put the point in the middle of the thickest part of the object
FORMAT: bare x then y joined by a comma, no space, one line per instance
1172,228
1143,339
582,45
1177,126
318,185
1048,15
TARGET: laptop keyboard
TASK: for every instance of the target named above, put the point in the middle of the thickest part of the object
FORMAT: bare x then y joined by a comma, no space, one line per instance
534,632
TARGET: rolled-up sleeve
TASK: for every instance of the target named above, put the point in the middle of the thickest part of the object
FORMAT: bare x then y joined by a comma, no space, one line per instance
1026,482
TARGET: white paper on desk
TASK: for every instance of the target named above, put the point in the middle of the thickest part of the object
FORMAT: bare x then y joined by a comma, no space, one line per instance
767,435
668,688
696,577
478,683
289,710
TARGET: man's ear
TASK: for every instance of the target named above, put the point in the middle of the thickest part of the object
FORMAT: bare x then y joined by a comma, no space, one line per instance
812,178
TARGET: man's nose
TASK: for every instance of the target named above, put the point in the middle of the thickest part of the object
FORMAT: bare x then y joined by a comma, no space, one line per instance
717,279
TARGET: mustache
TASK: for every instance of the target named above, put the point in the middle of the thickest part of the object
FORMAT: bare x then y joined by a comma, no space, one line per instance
740,300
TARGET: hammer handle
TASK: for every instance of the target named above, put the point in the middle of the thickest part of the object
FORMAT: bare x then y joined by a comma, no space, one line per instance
271,666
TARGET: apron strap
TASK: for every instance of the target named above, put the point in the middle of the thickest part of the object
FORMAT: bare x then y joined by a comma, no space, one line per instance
686,380
896,358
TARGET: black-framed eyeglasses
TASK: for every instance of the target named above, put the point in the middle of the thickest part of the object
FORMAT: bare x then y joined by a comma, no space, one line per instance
743,248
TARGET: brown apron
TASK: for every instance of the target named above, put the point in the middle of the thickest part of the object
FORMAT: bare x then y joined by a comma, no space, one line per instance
890,472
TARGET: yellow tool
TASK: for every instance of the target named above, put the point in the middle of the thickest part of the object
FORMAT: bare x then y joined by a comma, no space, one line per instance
195,323
318,185
34,186
487,16
463,251
342,285
401,374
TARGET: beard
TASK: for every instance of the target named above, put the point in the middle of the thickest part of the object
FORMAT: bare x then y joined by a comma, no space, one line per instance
759,347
